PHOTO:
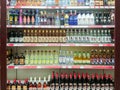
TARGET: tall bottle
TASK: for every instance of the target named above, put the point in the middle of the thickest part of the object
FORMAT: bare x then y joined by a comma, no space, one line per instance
57,19
19,85
16,59
25,85
41,18
33,18
20,17
39,85
75,18
62,18
14,85
8,85
11,17
66,17
45,18
30,84
71,18
37,17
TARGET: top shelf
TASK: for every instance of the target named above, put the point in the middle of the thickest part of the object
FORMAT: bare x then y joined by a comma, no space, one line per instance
58,7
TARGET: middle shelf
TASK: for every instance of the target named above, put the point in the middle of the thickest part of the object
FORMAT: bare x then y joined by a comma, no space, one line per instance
60,67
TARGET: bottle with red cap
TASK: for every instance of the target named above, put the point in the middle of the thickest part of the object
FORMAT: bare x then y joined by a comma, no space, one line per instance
48,83
56,81
83,81
66,85
101,82
14,85
52,86
79,82
30,84
74,81
71,82
92,82
39,85
106,83
111,82
25,85
19,85
8,85
62,78
87,80
35,84
97,83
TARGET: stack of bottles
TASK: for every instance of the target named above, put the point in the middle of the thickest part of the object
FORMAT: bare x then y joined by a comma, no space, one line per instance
60,2
64,57
64,81
64,36
59,17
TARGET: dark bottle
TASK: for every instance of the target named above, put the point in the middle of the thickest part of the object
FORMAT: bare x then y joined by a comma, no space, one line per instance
83,81
106,83
108,57
97,18
74,81
87,80
48,83
24,16
22,59
92,82
97,83
25,85
16,59
11,37
62,81
45,18
104,18
111,82
52,86
19,85
16,16
39,85
14,85
57,81
71,82
102,85
35,84
20,39
71,19
45,84
75,21
66,85
112,57
33,18
11,16
28,17
16,37
30,84
41,18
37,17
8,85
79,82
62,18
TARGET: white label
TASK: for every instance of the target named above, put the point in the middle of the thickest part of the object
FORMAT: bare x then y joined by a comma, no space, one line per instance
12,39
16,39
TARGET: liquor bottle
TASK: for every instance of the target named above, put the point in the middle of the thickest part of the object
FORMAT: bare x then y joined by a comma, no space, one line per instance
97,82
22,59
35,37
25,36
28,17
75,57
25,85
19,85
20,39
113,57
41,18
92,82
84,58
108,57
45,18
47,58
96,59
79,18
39,58
31,36
52,83
34,84
87,80
11,37
56,57
30,84
62,81
8,85
104,57
20,17
37,18
71,82
101,82
16,59
56,81
14,85
39,85
111,83
62,18
75,18
71,18
24,15
66,17
97,22
100,57
79,83
57,18
106,82
16,16
35,58
16,37
74,81
33,18
53,19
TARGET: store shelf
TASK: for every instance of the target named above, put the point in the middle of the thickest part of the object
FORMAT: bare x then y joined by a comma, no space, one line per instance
60,67
89,26
32,26
53,26
58,7
57,44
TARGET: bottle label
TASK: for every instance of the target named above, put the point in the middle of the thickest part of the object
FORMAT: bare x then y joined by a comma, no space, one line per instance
16,61
70,86
13,87
22,61
24,87
75,86
16,39
30,88
19,88
8,87
39,39
35,39
12,39
20,39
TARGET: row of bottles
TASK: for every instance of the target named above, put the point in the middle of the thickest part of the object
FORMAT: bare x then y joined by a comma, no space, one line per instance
60,17
60,2
50,57
68,36
64,81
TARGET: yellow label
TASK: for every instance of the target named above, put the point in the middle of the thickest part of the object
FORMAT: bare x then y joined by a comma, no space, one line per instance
13,87
24,87
8,87
16,18
11,18
35,39
18,87
22,61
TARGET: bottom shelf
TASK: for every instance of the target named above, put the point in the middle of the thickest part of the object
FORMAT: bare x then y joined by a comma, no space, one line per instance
60,67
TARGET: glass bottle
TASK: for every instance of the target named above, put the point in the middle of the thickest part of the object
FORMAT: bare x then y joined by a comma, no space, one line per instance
62,18
66,17
16,59
27,57
57,18
22,59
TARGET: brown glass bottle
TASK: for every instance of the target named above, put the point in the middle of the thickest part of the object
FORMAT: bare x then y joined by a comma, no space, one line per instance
25,85
35,37
104,57
31,36
39,85
39,36
22,59
19,85
16,59
50,35
28,39
8,85
24,36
